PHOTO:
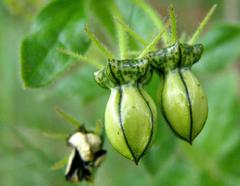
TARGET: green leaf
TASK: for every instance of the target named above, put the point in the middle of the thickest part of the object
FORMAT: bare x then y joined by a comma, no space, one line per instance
59,25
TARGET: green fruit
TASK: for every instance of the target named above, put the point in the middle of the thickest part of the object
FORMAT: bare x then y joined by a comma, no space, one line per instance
130,112
184,103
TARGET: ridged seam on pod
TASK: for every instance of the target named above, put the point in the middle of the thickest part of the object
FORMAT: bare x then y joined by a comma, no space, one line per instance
130,112
184,103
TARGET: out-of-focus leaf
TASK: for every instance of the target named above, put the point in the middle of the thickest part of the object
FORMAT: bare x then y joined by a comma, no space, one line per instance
221,47
102,13
59,25
86,91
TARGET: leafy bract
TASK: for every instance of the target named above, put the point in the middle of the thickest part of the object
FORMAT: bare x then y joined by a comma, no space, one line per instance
59,25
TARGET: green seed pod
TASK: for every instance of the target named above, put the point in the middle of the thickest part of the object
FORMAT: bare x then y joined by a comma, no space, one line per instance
130,113
184,103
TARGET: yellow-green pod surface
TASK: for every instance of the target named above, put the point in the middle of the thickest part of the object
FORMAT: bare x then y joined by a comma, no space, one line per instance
130,113
184,103
130,121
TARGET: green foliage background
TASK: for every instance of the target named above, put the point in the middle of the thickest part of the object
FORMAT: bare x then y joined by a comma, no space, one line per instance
26,155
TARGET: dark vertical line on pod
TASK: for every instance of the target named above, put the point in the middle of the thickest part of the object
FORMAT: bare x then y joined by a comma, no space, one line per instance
120,115
150,110
152,122
190,105
188,95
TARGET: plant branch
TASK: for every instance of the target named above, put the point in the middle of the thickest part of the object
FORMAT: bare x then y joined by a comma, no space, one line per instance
154,42
153,15
122,41
202,25
98,43
80,57
121,34
67,117
60,164
130,31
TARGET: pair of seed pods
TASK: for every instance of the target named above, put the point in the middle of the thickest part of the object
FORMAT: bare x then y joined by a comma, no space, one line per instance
131,114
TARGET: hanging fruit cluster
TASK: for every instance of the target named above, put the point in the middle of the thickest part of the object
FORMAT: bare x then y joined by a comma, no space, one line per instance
130,115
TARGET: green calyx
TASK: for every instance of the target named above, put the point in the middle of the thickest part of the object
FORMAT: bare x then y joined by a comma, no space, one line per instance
177,55
128,71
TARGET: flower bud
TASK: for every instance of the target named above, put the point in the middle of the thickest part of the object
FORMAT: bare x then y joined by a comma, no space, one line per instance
184,103
87,154
130,113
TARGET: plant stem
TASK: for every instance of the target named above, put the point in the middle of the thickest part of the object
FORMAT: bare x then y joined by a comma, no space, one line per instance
153,15
122,41
173,24
80,57
154,42
121,34
98,43
202,25
67,117
131,32
60,164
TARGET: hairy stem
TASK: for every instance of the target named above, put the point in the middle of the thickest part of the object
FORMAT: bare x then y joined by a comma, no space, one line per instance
60,164
98,43
154,42
202,25
67,117
121,34
131,32
153,15
80,57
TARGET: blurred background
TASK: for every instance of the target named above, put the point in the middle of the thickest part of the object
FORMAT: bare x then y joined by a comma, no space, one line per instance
26,155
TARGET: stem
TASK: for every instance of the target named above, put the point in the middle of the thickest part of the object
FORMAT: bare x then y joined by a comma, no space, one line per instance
98,43
131,32
173,24
153,15
202,25
122,41
98,128
121,34
154,42
80,57
60,164
67,117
